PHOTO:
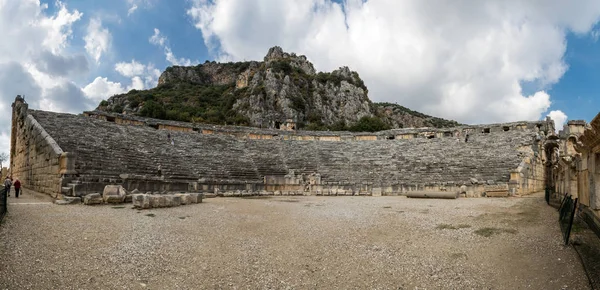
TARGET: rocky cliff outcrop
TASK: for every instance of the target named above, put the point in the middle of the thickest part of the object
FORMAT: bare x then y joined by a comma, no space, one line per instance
283,86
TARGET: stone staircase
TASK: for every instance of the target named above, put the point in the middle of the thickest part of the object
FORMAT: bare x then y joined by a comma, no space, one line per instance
105,150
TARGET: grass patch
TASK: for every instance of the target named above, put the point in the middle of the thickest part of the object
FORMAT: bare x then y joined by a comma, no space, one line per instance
117,207
150,215
181,217
577,227
452,227
488,232
387,206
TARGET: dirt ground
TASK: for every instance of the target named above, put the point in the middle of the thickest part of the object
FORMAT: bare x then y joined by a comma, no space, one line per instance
289,243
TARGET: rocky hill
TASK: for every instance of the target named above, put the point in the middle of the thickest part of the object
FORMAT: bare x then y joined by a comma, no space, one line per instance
265,94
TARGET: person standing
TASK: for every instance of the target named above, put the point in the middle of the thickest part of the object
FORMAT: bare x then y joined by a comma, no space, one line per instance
17,187
7,185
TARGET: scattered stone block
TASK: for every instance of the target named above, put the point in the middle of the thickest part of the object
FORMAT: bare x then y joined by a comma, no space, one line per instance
176,200
193,197
93,198
68,191
128,198
155,200
114,194
141,201
68,200
185,198
168,200
72,199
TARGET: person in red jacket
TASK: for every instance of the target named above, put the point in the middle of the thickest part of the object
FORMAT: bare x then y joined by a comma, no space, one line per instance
17,186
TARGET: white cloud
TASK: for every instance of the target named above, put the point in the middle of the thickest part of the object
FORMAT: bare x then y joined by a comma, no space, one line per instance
97,40
463,61
161,41
35,59
143,76
58,27
132,9
136,84
559,118
135,4
595,34
130,69
177,61
157,38
101,89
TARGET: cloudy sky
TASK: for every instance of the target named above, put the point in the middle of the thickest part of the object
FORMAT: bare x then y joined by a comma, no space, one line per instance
468,60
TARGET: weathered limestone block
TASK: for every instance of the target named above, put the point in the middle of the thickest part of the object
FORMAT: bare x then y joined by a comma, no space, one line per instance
93,198
193,197
168,200
176,200
500,190
155,201
114,194
68,200
141,201
185,198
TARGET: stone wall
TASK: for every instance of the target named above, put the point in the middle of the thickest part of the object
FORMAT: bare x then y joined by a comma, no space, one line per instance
36,159
576,170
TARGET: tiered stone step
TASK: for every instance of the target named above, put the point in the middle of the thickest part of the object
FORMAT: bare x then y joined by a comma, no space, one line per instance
105,150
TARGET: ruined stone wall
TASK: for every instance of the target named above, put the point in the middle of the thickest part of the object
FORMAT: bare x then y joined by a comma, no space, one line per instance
529,177
588,172
35,157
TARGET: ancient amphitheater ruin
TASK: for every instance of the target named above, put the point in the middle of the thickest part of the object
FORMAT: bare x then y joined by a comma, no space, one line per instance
156,163
75,155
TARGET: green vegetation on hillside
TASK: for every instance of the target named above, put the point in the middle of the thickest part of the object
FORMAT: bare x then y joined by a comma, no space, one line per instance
428,120
189,103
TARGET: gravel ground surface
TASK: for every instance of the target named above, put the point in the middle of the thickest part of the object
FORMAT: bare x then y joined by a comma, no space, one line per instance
289,243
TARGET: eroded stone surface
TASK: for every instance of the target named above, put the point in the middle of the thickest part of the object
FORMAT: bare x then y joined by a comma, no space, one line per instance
146,201
114,194
93,198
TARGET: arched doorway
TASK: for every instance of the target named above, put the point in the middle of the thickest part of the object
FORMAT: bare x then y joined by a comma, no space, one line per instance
551,157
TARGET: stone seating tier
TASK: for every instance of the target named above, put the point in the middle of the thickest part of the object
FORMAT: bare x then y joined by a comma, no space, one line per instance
105,150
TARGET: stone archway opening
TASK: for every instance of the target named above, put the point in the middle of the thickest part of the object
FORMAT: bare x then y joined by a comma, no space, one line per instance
551,158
